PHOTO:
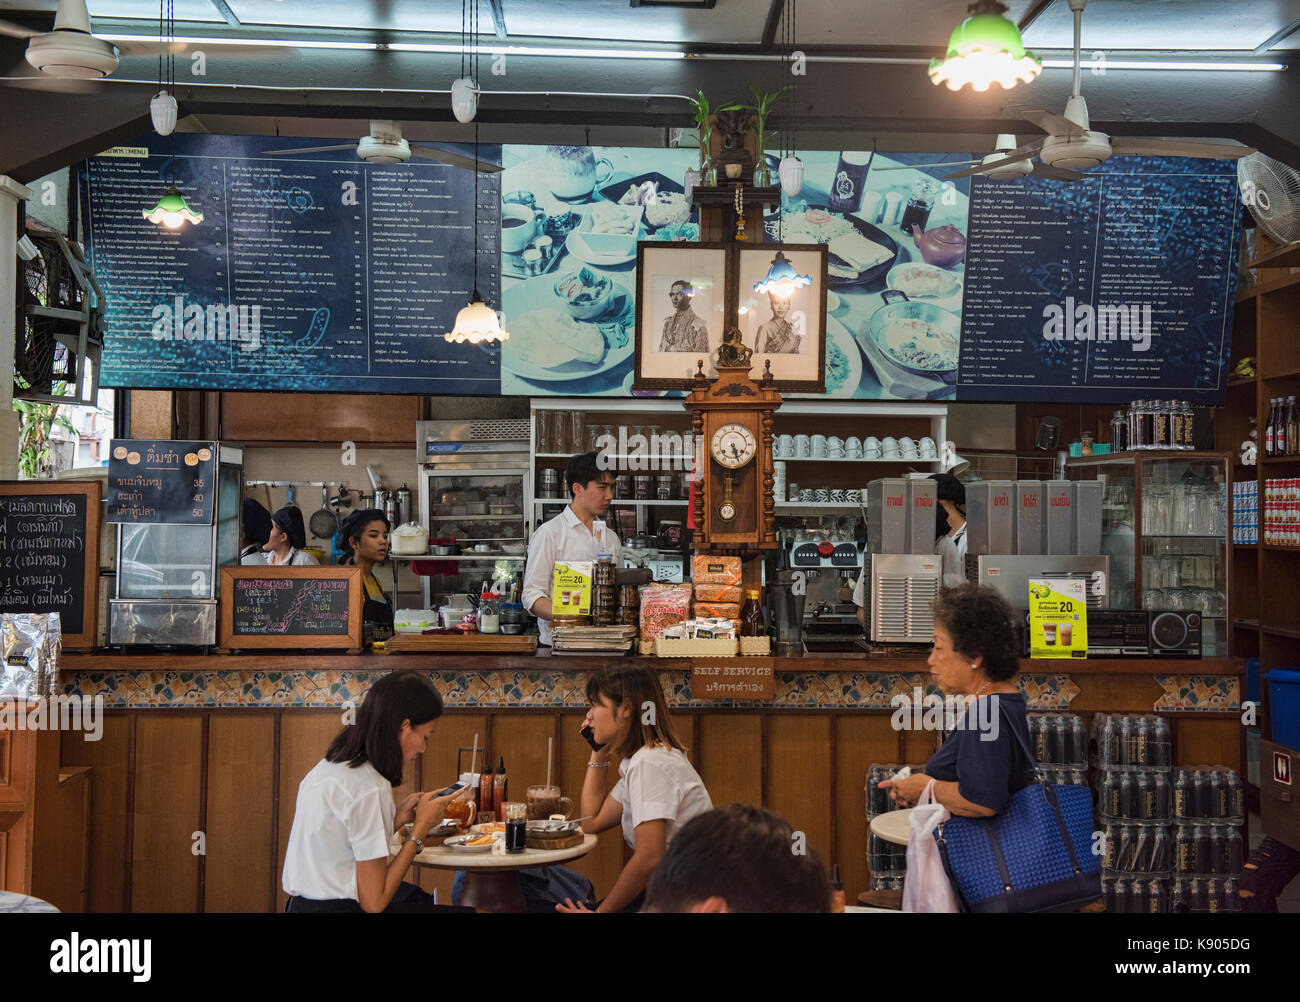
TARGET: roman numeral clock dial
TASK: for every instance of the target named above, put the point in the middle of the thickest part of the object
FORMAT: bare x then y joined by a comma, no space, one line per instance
733,446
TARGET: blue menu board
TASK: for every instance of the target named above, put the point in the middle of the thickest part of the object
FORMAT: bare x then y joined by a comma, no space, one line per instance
317,272
1103,290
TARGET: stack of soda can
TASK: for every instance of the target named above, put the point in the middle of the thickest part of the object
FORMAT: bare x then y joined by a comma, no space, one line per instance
886,861
1060,744
1209,809
1134,786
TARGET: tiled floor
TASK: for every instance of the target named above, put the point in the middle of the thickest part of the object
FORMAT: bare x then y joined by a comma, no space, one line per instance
1289,900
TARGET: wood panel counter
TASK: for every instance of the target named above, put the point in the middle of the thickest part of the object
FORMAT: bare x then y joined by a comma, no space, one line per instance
219,744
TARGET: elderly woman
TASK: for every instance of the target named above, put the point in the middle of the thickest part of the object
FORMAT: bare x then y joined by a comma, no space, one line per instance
981,764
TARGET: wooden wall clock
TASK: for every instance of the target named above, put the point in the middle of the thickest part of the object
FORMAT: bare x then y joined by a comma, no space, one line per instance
732,422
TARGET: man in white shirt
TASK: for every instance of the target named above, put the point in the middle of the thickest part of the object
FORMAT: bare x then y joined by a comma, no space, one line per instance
569,536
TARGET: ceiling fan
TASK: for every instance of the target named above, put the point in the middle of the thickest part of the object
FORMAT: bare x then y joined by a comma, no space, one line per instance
1011,170
385,145
1072,145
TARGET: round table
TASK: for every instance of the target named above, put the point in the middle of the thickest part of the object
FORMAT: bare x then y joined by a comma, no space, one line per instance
492,882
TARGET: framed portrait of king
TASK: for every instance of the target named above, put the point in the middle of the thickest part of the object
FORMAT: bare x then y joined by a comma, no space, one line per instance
682,306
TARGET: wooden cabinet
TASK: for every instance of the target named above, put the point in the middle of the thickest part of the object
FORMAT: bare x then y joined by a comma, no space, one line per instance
316,418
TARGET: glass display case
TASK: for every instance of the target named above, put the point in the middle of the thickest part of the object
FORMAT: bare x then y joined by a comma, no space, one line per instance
1164,526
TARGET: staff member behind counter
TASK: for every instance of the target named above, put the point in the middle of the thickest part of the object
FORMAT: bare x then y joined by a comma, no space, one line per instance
569,536
950,524
365,543
287,539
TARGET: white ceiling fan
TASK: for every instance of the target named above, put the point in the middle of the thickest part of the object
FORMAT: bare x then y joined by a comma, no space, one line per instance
1012,170
70,51
1072,145
385,145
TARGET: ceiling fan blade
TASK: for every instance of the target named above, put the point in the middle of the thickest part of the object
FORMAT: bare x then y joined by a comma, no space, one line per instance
311,149
152,48
454,159
16,30
1138,146
58,85
1024,153
946,163
1057,173
1053,125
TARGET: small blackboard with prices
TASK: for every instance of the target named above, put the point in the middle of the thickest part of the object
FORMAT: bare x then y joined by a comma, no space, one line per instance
161,482
290,607
49,553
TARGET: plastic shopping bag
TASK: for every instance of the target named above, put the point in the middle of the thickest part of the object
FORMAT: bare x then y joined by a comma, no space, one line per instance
926,887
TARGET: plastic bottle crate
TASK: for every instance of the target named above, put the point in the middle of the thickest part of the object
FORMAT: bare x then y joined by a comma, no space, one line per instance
1058,739
1131,742
886,857
1209,793
1132,896
878,800
1208,850
1142,797
1202,895
1136,850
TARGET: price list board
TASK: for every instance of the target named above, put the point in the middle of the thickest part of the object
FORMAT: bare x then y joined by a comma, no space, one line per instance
318,272
161,482
1105,289
290,607
49,553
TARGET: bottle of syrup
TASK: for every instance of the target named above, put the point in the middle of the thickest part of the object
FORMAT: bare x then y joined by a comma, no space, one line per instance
500,790
837,890
751,616
486,807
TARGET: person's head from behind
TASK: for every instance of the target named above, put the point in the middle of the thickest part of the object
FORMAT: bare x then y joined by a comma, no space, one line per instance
591,486
254,524
974,640
392,725
286,530
738,859
628,710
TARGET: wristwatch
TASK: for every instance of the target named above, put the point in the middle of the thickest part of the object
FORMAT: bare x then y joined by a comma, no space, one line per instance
419,845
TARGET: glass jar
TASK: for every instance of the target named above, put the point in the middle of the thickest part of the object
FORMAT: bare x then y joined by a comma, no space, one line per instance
489,613
513,617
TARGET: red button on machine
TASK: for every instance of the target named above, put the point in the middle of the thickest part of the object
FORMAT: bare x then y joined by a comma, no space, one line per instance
825,548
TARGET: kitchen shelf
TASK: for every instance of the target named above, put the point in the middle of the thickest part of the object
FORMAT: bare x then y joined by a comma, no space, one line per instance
814,459
1181,535
643,457
1280,459
616,501
459,556
513,517
1284,374
849,506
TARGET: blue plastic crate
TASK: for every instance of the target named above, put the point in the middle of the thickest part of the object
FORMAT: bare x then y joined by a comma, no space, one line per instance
1284,705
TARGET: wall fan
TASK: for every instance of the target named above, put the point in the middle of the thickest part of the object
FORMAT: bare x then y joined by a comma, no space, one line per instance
1271,190
385,145
1071,144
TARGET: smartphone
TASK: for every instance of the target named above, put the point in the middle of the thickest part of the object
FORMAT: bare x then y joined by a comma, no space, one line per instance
454,788
590,737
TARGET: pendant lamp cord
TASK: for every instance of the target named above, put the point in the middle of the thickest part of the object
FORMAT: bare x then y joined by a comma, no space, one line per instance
476,298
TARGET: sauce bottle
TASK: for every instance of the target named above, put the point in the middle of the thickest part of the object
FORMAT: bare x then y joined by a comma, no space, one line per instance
485,804
500,789
837,890
751,616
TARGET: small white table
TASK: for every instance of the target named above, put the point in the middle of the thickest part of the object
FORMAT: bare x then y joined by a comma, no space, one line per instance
492,882
893,826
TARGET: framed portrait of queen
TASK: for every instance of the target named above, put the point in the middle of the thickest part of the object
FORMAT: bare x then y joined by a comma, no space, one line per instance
789,332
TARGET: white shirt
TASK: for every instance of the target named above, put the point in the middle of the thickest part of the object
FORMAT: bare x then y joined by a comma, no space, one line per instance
953,551
561,539
343,816
297,558
659,784
254,557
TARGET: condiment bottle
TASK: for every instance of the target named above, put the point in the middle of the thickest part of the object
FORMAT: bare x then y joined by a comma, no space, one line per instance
485,802
500,789
837,890
751,616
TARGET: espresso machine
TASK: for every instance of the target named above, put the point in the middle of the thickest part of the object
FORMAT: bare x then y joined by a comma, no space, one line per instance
830,570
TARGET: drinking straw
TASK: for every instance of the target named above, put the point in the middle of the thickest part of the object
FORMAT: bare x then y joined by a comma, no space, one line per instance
473,755
549,743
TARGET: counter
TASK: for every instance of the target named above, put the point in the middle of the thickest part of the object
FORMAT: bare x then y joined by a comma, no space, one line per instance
219,744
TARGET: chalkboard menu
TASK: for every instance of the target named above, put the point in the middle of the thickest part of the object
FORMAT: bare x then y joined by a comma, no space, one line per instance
161,482
49,553
1103,290
316,273
290,607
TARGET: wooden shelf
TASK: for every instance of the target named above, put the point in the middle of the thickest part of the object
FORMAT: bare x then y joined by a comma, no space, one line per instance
1266,287
1279,459
1285,374
1283,257
1246,624
1280,548
1235,381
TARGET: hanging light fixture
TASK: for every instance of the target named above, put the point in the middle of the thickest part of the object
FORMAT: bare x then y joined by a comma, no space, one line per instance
782,279
172,211
790,169
464,89
476,322
162,109
985,49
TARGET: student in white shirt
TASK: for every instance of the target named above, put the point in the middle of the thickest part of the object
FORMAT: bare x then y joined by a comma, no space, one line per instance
658,791
569,535
254,530
288,537
337,859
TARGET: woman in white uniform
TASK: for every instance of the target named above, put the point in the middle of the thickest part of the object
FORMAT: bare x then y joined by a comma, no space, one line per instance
951,525
658,790
338,855
288,537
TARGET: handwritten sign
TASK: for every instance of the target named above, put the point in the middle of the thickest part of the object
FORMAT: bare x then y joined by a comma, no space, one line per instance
172,483
49,553
290,607
732,678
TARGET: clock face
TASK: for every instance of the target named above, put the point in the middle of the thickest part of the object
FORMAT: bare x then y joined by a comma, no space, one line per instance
733,445
727,511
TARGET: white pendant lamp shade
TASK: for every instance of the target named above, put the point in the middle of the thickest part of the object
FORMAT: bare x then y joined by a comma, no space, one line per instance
464,99
791,173
162,109
953,463
477,323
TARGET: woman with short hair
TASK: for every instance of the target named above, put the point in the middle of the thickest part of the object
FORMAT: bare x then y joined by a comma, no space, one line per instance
338,857
658,790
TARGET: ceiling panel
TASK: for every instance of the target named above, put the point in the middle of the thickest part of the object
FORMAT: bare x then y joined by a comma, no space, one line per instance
1163,24
731,21
389,15
185,10
887,22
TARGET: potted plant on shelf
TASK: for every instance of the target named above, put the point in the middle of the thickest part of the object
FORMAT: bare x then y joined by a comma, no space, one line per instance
761,108
704,123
